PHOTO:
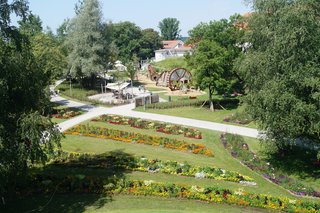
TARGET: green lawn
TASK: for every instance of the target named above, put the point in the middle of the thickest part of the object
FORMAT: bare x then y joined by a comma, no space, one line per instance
60,120
154,89
70,203
169,64
198,113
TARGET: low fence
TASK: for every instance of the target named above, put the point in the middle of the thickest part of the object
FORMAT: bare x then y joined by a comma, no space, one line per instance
148,100
192,103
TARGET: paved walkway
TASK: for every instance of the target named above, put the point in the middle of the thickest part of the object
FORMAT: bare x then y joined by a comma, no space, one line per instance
127,110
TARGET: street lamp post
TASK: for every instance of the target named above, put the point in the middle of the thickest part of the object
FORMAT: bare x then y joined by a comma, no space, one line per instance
69,76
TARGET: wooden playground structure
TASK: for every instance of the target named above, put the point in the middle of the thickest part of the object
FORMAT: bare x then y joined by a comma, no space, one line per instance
176,79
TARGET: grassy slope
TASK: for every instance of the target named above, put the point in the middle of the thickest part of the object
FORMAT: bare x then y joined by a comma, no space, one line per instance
170,64
222,159
122,203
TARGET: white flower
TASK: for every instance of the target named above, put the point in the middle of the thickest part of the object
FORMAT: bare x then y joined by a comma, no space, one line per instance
197,189
148,182
292,201
249,183
200,175
239,192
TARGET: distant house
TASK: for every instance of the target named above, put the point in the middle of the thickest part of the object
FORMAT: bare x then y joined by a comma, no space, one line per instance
172,48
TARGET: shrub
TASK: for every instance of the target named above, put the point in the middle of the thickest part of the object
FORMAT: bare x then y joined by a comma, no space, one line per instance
237,147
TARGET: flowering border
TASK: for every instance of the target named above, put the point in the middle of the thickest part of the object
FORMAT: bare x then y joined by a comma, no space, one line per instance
94,184
131,137
239,149
143,164
165,128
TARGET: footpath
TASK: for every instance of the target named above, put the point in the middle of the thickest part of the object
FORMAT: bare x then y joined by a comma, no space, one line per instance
127,110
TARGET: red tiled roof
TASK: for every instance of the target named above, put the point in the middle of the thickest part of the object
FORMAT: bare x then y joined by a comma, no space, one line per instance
170,44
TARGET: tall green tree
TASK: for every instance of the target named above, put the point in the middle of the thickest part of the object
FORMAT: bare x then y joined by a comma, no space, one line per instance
49,55
126,36
31,26
150,41
26,135
86,42
282,69
225,33
207,63
169,28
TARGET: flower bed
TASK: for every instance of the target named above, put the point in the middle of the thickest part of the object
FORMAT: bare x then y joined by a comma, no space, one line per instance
65,113
131,137
144,165
86,184
238,118
146,124
239,149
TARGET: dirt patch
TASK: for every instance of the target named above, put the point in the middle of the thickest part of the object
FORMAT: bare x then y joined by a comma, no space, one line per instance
148,83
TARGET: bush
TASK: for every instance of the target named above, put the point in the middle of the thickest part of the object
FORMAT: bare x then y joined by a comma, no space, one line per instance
225,102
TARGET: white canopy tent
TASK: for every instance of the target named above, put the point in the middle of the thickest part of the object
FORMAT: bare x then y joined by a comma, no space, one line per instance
117,86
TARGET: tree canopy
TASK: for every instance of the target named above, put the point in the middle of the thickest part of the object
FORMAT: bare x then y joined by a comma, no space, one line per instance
215,52
126,36
169,28
282,69
85,41
26,134
207,64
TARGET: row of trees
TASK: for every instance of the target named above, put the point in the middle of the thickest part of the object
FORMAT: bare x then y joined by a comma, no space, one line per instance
94,46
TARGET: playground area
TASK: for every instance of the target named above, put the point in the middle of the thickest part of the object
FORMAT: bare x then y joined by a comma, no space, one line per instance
176,82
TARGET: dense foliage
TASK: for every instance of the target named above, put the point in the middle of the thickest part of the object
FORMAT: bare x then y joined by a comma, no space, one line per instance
239,149
86,50
282,70
212,61
26,135
169,28
131,41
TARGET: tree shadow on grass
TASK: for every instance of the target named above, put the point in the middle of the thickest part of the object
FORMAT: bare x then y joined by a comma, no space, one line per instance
71,185
296,161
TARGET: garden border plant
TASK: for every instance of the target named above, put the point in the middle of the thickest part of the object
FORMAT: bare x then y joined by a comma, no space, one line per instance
65,113
148,124
89,184
142,164
132,137
237,147
191,103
